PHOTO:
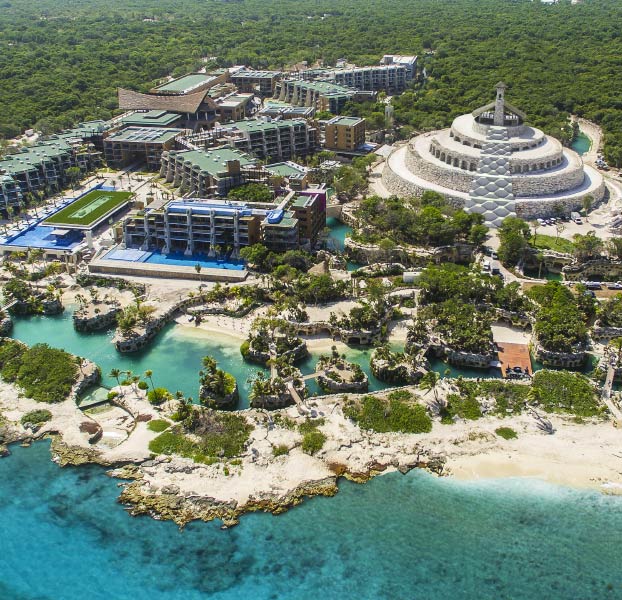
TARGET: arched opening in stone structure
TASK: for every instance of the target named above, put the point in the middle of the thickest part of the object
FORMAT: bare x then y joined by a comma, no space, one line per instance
443,156
467,143
472,167
456,162
463,165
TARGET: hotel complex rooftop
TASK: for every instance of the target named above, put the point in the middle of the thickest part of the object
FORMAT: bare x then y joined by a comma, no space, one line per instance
213,161
159,118
33,157
346,121
251,126
148,135
185,84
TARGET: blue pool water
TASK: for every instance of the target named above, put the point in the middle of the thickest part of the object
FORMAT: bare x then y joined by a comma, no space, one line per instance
581,144
40,236
173,259
399,537
189,261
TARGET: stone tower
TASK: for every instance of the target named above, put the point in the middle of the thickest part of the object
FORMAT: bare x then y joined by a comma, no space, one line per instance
500,104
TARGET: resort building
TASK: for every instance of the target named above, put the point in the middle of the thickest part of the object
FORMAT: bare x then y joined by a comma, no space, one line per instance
257,82
295,176
344,134
152,118
321,95
42,169
410,62
233,107
139,145
272,140
493,164
211,227
275,109
392,78
186,96
205,173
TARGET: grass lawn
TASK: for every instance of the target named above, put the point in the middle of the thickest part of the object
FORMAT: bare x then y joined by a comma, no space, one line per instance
549,242
88,209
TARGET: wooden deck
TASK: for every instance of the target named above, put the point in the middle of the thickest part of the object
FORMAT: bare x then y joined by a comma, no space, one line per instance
514,355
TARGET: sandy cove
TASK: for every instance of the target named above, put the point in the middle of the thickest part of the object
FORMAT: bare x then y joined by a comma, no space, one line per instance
578,455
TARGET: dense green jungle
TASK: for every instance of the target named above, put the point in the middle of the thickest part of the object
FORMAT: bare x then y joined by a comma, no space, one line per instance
61,61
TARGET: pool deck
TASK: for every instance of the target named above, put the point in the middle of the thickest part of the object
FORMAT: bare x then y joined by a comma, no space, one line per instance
142,269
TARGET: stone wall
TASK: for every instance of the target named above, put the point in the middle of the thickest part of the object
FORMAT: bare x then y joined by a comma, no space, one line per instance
601,269
403,188
548,207
542,183
450,177
564,360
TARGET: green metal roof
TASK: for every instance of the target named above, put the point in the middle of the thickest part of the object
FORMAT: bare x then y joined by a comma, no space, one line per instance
257,74
345,121
214,161
286,169
324,87
143,135
251,126
185,83
154,118
34,156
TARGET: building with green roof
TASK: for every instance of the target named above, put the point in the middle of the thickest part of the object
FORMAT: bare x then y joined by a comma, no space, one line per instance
139,145
272,140
205,172
186,84
153,118
42,168
322,95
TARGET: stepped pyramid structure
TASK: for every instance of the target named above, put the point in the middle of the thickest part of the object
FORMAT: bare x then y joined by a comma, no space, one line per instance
490,162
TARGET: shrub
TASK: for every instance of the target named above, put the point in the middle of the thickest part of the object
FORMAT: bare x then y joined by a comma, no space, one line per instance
244,349
158,425
143,385
463,407
36,417
562,391
396,414
280,450
112,395
45,374
158,395
507,433
313,441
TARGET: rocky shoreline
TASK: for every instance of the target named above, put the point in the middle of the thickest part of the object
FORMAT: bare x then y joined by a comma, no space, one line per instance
179,489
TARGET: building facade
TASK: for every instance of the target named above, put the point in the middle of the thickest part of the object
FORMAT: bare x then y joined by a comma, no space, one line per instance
139,144
272,140
344,133
42,169
205,173
224,227
261,82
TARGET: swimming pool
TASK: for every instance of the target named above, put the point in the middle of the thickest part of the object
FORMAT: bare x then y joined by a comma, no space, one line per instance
173,259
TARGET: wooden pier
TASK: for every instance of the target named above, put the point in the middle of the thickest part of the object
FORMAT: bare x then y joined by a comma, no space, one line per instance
514,355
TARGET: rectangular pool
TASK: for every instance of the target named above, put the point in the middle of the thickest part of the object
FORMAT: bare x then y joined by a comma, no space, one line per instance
175,259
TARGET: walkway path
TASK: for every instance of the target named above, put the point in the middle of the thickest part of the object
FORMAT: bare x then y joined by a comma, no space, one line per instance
606,394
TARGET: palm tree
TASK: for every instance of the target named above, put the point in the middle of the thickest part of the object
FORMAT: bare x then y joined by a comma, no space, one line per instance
149,375
430,381
116,373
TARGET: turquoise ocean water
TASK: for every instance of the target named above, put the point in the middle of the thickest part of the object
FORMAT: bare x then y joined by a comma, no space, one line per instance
409,537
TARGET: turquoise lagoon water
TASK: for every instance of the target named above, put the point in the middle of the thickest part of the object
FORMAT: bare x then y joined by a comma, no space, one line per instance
581,144
336,238
174,356
399,537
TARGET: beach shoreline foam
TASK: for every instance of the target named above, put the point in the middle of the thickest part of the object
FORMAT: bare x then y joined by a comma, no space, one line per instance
577,455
